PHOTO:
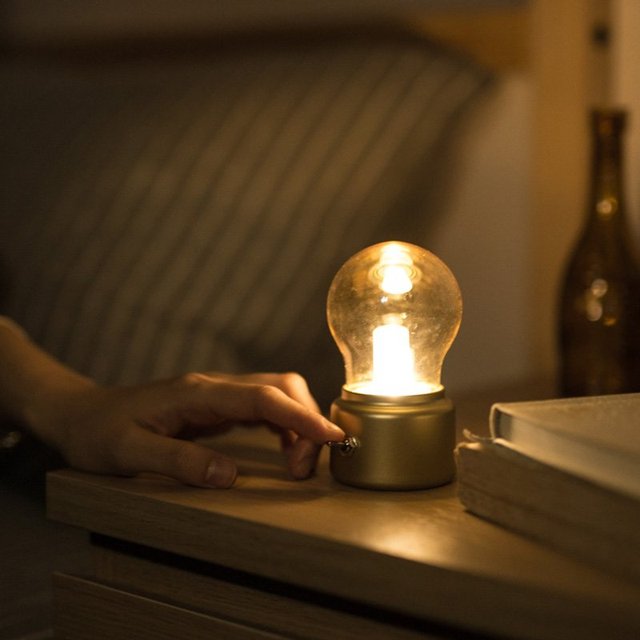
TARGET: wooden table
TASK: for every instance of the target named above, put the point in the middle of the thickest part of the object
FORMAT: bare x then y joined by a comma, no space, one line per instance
273,558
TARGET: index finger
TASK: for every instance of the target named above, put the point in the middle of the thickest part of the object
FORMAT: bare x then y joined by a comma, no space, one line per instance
275,406
293,384
258,402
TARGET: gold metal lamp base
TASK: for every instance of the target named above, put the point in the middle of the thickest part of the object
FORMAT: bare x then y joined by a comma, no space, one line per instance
394,443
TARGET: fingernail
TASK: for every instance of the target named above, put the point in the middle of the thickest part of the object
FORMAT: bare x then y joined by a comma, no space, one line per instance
221,474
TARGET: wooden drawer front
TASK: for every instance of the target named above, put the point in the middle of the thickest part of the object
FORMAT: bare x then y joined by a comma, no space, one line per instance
275,607
86,610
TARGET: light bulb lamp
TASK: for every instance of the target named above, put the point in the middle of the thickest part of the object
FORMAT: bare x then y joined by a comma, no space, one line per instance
394,310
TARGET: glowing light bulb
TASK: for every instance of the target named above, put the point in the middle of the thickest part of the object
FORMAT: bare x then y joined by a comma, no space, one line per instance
394,310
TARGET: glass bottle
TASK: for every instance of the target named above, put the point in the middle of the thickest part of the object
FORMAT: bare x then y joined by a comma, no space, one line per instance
600,298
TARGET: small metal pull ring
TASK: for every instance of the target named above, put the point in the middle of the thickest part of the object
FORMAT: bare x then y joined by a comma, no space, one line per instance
345,447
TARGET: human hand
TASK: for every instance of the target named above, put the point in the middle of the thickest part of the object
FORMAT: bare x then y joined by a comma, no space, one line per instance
127,430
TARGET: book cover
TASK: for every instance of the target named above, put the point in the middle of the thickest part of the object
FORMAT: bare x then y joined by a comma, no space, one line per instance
565,472
585,520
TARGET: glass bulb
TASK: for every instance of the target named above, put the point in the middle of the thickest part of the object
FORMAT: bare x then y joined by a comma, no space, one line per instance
394,310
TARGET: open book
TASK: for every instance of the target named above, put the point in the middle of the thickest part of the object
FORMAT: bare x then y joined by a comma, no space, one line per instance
565,472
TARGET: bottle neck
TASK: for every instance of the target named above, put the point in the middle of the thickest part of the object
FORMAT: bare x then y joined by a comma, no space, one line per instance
607,201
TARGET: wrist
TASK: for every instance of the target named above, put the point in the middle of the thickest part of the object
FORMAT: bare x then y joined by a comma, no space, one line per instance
35,389
49,411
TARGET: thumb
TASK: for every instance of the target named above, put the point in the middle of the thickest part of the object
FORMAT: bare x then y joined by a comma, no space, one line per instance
188,462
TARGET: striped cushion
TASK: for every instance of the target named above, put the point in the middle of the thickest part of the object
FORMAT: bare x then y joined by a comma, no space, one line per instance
165,216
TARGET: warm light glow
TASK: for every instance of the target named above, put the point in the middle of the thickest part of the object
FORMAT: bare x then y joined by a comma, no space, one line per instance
394,310
394,270
393,364
392,354
395,280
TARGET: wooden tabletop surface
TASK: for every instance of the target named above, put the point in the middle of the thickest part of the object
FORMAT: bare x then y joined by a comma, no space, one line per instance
418,553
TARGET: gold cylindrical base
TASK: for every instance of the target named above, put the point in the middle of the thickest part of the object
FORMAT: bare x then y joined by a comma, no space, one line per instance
401,443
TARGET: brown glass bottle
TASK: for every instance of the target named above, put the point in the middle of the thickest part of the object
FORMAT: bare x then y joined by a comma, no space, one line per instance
600,300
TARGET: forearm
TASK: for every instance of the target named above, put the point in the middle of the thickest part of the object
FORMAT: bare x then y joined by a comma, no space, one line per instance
33,385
